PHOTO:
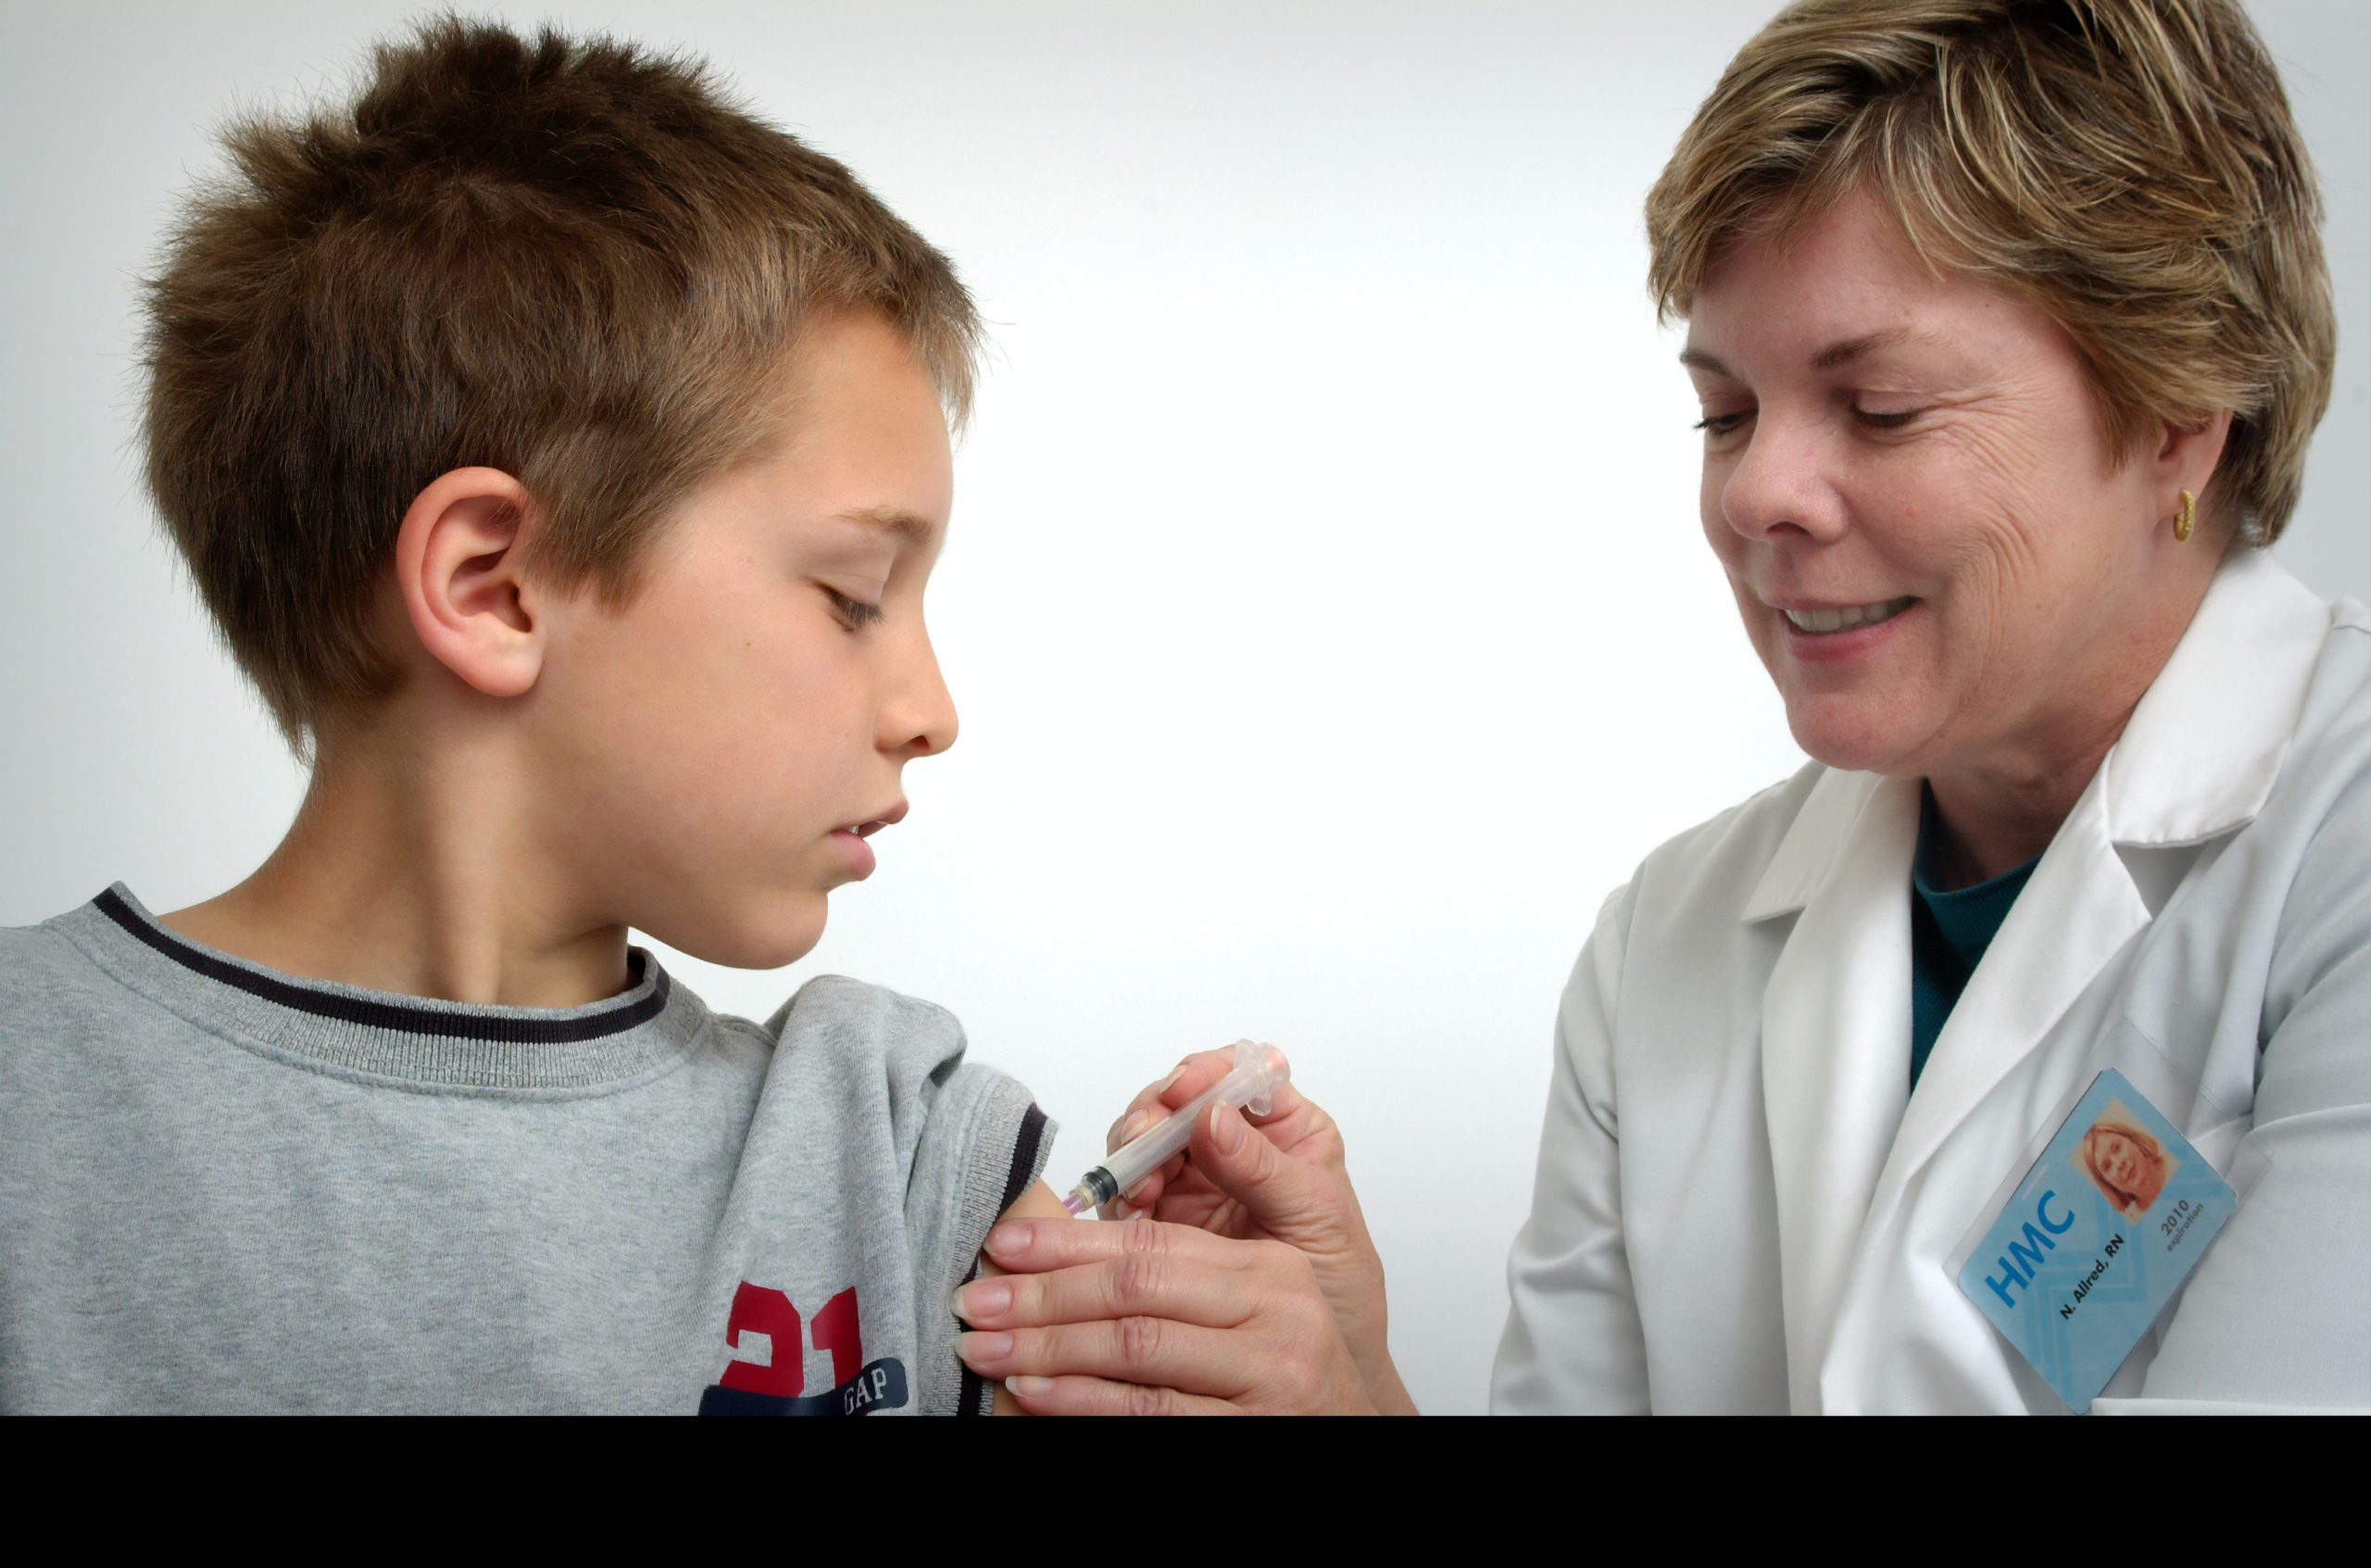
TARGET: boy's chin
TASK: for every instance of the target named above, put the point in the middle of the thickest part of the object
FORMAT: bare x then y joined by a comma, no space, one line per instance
766,934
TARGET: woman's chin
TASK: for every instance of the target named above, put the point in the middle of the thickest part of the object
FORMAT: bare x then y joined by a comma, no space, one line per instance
1847,735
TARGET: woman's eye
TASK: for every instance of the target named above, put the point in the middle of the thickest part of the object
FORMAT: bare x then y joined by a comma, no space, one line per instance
854,613
1876,419
1720,424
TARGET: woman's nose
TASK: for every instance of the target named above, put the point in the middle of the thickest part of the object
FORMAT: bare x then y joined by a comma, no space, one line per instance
1781,487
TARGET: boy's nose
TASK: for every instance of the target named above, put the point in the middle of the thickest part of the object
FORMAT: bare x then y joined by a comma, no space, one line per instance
920,720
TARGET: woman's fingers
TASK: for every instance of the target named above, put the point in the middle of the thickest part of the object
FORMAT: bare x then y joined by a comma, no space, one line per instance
1036,1246
1154,1101
1149,1351
1193,1077
1144,1191
1145,1111
1141,1197
1100,1396
1143,1280
1155,1307
1127,1129
1290,1122
1134,1119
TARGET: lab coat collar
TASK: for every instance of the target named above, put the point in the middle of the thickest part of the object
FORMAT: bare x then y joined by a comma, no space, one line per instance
2200,755
2197,759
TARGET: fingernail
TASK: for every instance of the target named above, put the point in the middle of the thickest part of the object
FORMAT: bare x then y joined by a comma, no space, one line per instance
1165,1083
982,1299
977,1347
1137,1123
1006,1241
1024,1387
1117,1209
1226,1128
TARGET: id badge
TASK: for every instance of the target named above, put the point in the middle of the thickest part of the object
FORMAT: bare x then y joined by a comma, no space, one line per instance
2097,1235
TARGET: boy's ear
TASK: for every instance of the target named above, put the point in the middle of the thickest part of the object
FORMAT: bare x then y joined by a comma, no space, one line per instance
457,564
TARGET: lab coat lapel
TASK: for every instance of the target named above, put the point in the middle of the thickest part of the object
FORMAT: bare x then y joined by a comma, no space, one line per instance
1835,1040
2078,910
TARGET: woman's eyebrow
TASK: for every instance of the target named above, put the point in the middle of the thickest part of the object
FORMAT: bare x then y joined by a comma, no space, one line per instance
1827,358
1851,349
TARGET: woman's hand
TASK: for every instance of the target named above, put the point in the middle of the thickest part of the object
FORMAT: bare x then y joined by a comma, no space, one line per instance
1141,1318
1289,1184
1277,1179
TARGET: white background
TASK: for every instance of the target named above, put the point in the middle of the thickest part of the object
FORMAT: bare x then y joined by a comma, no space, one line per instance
1325,605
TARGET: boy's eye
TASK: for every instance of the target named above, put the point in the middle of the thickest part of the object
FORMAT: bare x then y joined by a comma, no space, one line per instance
1720,424
1878,421
854,614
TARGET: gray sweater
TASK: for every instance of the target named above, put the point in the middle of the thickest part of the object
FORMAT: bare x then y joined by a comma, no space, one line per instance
224,1189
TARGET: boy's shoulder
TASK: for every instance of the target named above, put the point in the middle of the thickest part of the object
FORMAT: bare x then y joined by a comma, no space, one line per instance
47,977
855,1020
839,1000
865,1047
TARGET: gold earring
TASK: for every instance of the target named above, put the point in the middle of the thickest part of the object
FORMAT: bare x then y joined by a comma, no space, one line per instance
2187,519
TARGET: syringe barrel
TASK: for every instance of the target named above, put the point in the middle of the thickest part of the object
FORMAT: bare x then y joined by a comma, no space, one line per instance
1256,1072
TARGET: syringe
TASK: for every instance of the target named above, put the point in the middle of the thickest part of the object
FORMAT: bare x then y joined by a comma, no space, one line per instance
1256,1072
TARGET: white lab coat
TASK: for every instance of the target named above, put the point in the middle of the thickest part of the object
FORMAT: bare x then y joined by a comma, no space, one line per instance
1742,1206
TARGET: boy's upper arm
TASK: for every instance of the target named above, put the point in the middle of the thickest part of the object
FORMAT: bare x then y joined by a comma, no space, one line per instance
1037,1203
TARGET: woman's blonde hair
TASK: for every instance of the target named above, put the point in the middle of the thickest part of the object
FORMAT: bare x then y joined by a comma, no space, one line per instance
2128,166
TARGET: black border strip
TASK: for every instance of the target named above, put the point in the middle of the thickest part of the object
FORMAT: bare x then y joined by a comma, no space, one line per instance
972,1395
395,1015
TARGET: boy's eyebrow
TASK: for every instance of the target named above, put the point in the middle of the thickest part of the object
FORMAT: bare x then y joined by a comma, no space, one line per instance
910,527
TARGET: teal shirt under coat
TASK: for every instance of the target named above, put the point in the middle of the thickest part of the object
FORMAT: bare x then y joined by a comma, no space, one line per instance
1949,931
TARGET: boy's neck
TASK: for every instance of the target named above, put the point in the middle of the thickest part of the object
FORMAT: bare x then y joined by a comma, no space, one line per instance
419,880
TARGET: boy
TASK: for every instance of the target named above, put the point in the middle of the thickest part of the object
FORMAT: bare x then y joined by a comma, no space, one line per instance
562,453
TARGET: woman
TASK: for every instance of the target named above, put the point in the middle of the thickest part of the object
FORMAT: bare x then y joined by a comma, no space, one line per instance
2010,325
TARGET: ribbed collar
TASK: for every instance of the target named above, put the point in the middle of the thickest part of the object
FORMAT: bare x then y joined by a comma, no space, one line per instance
415,1040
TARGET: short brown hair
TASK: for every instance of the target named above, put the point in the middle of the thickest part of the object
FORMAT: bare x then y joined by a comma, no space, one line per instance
569,259
2128,166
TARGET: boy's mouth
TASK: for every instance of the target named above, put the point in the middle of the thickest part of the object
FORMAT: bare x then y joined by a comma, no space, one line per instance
867,829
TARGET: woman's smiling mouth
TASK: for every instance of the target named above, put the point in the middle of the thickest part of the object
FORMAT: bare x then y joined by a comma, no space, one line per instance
1829,632
1822,622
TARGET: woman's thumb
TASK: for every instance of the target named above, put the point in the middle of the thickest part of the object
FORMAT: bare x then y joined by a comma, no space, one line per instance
1293,1200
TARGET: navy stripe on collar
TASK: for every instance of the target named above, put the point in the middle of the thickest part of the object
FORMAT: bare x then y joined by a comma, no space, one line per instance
395,1016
